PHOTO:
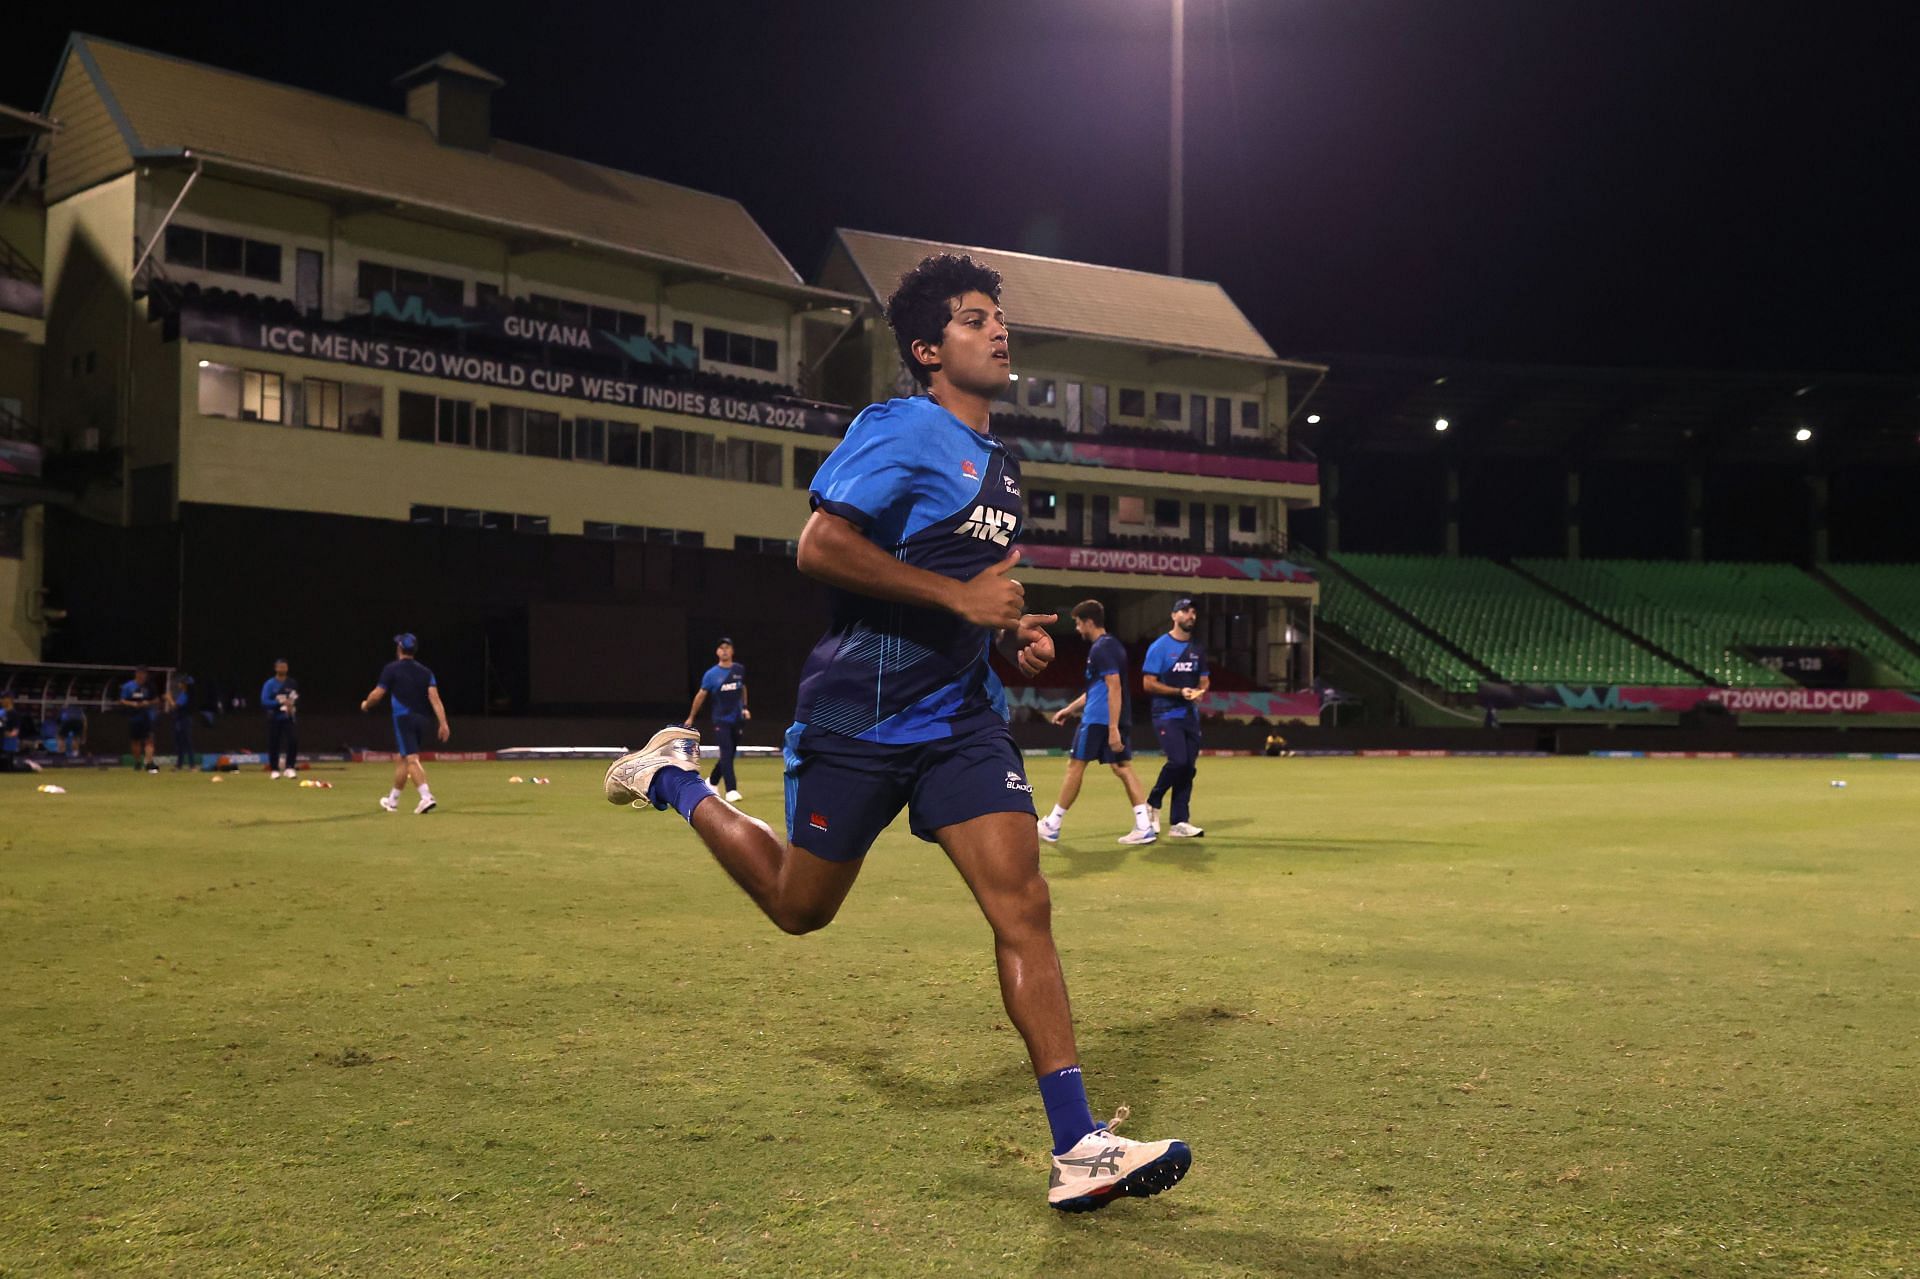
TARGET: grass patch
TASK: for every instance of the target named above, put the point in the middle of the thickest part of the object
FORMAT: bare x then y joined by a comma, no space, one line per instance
1417,1017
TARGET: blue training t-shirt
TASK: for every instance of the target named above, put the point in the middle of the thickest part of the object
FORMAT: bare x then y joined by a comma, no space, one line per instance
1178,664
1108,656
134,691
407,682
938,495
270,696
725,685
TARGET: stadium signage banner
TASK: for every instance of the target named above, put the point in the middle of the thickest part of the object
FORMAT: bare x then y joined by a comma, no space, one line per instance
1740,701
411,308
401,357
1125,457
1165,563
17,457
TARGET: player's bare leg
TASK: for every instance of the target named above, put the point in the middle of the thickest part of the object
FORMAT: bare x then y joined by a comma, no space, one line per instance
999,857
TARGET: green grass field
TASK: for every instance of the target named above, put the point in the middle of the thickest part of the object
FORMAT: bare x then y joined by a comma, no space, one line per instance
1417,1017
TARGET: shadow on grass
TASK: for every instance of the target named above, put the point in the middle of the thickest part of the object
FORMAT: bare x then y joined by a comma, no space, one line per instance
1142,1059
1083,861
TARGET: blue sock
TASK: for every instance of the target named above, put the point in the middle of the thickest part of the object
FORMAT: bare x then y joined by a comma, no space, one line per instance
678,789
1065,1097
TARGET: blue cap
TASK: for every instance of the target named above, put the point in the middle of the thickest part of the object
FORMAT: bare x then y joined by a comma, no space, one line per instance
407,641
1184,603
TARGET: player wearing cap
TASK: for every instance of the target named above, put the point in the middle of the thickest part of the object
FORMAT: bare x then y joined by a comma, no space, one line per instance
411,688
915,514
1175,673
1106,713
139,699
726,683
281,696
180,703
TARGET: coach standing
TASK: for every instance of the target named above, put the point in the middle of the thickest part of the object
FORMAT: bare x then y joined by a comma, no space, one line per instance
281,696
1175,673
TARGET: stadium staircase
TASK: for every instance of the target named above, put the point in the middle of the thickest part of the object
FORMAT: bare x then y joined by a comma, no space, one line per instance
1367,618
1888,595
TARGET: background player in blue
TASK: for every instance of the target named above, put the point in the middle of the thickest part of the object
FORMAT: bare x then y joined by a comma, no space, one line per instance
915,514
411,688
73,729
281,697
726,683
1175,673
180,707
138,698
1106,713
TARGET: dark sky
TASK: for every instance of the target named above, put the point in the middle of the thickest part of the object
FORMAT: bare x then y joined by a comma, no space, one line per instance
1661,182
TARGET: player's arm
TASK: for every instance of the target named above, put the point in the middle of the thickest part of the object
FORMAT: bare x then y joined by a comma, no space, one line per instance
834,551
1153,684
1071,709
372,699
699,700
744,712
1195,694
1114,697
439,710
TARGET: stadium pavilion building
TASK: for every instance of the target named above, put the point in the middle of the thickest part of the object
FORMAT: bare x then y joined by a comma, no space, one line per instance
311,372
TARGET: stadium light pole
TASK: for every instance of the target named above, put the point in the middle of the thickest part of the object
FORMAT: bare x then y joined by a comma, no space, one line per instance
1176,230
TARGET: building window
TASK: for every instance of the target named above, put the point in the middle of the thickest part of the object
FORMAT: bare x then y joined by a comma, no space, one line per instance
416,417
219,390
361,409
454,419
589,439
766,464
1166,406
1249,520
1166,512
532,524
543,433
1133,403
441,290
742,349
1040,392
427,514
806,464
263,261
487,297
1250,416
682,333
261,396
1042,505
321,404
461,517
767,546
624,444
229,254
1129,509
669,450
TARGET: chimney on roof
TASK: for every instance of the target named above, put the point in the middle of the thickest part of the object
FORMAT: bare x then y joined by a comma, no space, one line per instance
453,98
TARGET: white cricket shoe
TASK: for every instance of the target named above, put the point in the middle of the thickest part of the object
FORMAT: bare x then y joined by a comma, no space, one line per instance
630,775
389,803
1103,1167
1139,835
426,805
1049,830
273,774
733,797
1186,830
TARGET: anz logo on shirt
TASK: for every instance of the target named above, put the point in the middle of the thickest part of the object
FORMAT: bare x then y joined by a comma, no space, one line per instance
989,524
731,686
1185,666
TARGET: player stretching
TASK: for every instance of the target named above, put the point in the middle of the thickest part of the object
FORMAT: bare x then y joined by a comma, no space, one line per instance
914,518
1106,713
725,682
410,686
1175,673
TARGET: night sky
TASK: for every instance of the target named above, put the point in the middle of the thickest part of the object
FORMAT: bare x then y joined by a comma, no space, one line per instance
1662,182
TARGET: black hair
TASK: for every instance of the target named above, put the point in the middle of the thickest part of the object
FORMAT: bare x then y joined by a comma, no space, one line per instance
922,303
1092,611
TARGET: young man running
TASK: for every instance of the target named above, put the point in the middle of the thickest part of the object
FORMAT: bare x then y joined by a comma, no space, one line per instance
726,683
915,514
410,686
1175,673
1106,713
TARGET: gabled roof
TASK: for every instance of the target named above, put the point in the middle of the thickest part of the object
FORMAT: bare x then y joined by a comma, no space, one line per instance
168,107
1080,299
450,62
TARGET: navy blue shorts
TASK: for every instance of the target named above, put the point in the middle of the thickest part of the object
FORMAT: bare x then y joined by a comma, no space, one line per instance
1179,739
1090,744
841,792
410,730
140,726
